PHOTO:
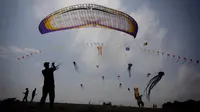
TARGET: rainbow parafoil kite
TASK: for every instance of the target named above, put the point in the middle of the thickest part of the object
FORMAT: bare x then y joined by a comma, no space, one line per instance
88,15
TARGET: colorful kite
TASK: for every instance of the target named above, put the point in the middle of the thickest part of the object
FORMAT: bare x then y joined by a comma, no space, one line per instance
178,59
88,15
99,50
138,97
136,93
28,55
190,61
118,77
174,56
184,60
145,44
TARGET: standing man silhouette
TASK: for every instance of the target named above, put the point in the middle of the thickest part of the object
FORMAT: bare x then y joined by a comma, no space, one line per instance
48,87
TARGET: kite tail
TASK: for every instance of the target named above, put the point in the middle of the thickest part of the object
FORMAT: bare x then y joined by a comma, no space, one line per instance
150,88
129,72
177,61
150,82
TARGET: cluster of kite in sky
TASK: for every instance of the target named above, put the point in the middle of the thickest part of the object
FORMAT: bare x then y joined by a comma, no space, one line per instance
92,15
28,55
179,59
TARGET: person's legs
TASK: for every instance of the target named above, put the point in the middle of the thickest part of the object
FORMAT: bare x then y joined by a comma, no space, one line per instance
52,96
26,100
138,104
32,98
23,99
142,104
44,95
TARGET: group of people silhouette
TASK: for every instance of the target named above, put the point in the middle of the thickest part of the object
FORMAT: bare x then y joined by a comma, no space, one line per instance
48,86
25,99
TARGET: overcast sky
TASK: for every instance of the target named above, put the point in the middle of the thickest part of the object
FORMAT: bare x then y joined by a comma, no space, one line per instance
168,26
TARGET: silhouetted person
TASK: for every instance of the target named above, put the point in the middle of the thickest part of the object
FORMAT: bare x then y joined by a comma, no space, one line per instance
48,87
33,94
25,95
139,101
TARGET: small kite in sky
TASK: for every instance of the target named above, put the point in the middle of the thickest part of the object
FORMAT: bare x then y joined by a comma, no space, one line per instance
76,66
99,50
118,77
82,86
168,55
184,60
152,83
190,61
103,77
28,55
148,74
129,69
145,44
120,85
128,89
178,59
127,49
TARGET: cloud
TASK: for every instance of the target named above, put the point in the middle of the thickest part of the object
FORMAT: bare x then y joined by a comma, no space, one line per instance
12,52
16,49
3,52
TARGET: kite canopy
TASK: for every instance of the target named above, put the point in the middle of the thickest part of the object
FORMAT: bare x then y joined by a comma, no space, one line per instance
88,15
